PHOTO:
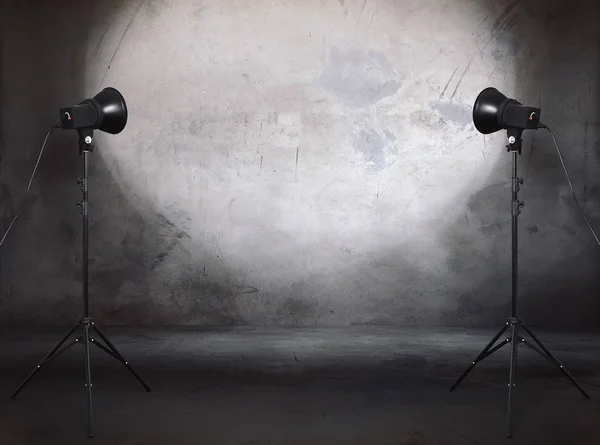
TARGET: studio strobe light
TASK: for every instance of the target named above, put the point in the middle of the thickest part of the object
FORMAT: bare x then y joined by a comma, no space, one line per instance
493,112
106,112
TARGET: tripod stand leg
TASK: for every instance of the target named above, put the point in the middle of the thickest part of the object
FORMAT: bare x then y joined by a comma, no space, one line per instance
63,350
513,368
119,357
88,377
548,356
495,348
51,355
104,348
483,354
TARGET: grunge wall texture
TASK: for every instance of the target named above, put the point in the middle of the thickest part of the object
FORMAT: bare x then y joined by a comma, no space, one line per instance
299,163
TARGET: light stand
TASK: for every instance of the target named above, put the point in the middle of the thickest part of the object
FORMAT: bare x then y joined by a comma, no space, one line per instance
108,112
514,322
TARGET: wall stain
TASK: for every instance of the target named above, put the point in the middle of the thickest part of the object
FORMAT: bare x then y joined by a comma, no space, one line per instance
167,238
457,113
357,77
508,47
371,146
504,20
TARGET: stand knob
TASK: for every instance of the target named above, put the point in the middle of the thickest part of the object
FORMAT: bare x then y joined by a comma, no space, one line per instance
516,207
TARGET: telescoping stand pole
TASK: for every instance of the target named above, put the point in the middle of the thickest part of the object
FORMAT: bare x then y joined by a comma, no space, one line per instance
514,322
86,323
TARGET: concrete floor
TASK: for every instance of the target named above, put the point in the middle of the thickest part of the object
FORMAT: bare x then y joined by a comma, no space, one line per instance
298,386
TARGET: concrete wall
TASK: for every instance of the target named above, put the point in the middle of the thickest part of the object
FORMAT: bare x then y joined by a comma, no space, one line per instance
299,163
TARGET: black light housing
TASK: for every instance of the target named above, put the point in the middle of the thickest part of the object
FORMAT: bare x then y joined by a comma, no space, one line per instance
493,111
106,111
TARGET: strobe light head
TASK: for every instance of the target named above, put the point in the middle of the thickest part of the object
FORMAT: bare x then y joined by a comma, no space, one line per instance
493,111
106,111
